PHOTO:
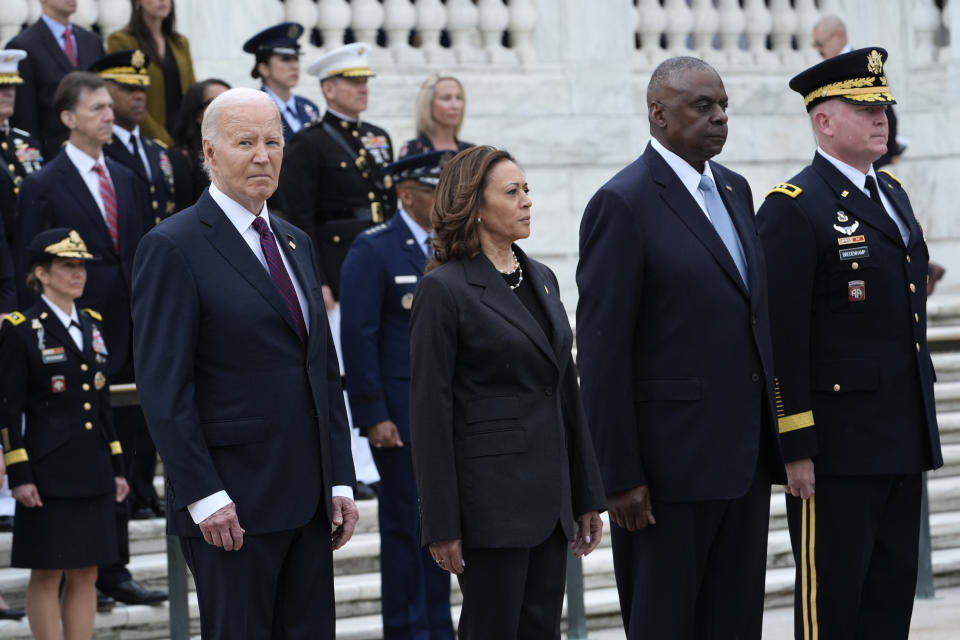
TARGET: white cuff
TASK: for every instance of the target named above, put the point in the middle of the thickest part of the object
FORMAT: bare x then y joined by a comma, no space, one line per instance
342,491
206,507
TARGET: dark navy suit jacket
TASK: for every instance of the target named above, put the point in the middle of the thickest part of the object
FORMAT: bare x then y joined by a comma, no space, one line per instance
57,196
42,70
234,399
674,352
159,183
379,276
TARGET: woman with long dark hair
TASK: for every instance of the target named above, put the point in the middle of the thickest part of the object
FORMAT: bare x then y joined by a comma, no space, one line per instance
187,153
152,29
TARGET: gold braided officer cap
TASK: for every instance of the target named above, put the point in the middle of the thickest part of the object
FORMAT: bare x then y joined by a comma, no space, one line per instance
127,67
58,243
855,77
349,61
9,61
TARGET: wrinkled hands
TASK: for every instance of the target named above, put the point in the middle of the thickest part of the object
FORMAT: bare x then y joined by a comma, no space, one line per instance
589,532
222,528
27,495
801,479
384,434
448,554
122,488
345,516
631,509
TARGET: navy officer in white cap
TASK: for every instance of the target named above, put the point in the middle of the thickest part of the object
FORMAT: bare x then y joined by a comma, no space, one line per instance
277,52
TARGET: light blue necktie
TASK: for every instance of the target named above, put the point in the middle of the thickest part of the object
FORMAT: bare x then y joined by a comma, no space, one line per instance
720,218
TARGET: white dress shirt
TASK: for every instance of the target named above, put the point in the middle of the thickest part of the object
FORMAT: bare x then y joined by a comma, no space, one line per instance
125,136
859,180
687,174
85,165
242,219
71,321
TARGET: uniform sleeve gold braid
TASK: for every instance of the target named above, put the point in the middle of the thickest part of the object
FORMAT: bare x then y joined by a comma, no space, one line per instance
13,457
786,189
796,421
115,448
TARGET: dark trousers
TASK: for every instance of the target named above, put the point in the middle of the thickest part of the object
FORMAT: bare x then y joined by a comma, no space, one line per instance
699,572
278,586
514,594
855,543
110,575
414,591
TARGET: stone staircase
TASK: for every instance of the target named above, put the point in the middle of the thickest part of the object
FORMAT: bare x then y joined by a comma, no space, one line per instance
356,565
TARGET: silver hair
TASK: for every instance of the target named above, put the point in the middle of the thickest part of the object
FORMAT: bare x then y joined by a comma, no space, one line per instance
210,127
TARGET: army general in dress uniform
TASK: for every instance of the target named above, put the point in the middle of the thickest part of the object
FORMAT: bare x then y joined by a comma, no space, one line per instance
333,184
847,263
64,462
19,151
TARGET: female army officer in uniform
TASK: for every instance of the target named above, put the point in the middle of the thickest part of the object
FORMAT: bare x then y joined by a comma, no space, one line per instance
64,463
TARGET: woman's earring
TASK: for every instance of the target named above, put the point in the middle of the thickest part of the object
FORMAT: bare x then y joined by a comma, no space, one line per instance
478,219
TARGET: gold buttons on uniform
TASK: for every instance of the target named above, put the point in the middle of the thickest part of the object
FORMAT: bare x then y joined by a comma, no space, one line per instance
86,387
336,239
155,204
913,288
855,265
88,426
343,165
372,196
908,258
84,367
153,188
917,345
836,387
12,167
916,317
87,406
356,135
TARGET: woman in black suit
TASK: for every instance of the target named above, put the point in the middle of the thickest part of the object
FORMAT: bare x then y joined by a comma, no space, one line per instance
64,463
503,458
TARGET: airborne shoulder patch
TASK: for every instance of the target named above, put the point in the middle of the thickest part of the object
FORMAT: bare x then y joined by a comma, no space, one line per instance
786,189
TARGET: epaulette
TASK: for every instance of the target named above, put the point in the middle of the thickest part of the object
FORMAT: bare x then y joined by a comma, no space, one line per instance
93,314
15,318
159,143
372,231
895,178
786,189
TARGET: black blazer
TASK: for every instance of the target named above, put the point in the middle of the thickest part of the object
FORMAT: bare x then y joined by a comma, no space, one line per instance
57,196
855,379
233,398
159,184
674,353
501,450
69,447
42,70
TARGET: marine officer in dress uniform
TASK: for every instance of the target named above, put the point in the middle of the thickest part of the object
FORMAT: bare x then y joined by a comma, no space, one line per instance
333,185
19,151
127,81
277,52
379,277
847,263
63,455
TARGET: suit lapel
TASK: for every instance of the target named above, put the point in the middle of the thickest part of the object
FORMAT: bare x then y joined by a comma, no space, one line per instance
120,153
81,193
901,203
855,201
302,271
743,221
54,50
686,208
498,296
549,300
414,253
223,236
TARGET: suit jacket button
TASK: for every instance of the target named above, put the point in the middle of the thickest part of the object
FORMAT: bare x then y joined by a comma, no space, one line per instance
836,387
548,392
755,377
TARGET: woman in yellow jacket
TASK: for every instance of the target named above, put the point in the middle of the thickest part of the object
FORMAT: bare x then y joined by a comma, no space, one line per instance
151,28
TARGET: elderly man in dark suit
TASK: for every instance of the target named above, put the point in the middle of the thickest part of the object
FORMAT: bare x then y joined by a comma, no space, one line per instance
677,371
858,419
54,47
105,203
241,387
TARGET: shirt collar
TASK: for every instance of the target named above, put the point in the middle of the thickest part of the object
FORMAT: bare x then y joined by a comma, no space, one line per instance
55,27
687,174
237,214
419,233
125,135
343,117
81,160
65,318
857,177
283,106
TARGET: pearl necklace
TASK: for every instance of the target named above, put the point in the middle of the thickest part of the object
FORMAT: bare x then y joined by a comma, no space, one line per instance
516,268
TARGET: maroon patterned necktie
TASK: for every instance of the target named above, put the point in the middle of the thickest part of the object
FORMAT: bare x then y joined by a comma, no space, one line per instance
279,274
69,46
109,197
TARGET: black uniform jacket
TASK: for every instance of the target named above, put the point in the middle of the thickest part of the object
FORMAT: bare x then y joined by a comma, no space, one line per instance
674,352
333,194
57,196
501,449
159,184
234,399
42,71
19,157
848,305
68,447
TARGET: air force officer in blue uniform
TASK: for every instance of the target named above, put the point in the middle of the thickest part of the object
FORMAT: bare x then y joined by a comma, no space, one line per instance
277,52
379,276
